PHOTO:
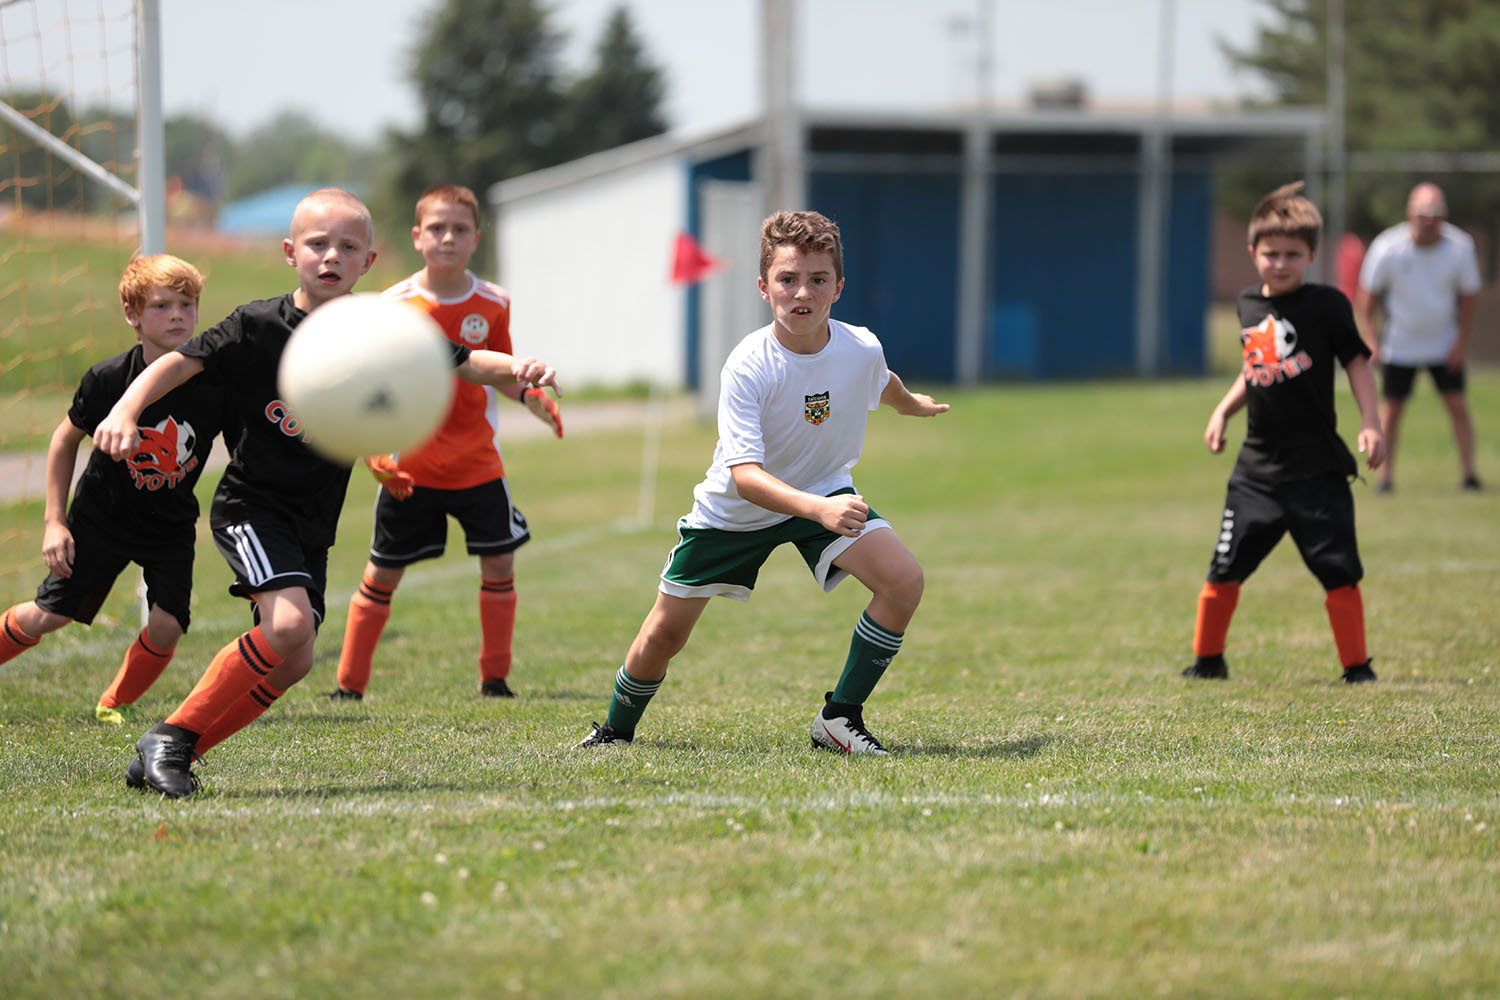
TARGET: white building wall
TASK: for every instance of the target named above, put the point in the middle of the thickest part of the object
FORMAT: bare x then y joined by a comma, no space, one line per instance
588,266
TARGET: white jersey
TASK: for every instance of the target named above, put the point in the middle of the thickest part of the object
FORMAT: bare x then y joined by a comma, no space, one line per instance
1418,288
801,416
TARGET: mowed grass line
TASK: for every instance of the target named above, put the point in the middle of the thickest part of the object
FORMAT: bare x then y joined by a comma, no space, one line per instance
1063,816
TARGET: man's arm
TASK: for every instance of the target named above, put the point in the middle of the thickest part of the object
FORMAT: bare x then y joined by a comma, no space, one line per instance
907,403
117,434
62,456
1466,304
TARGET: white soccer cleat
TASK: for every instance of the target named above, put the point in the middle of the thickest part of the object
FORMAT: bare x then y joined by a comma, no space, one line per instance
845,733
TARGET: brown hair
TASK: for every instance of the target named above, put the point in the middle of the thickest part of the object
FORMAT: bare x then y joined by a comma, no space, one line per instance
1285,212
451,194
144,273
809,232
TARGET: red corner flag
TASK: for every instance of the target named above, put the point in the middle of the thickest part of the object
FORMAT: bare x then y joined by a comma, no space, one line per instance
690,263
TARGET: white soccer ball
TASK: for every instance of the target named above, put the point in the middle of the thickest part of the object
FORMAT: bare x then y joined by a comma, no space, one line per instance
366,375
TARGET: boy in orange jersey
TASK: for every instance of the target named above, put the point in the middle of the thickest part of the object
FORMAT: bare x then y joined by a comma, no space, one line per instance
1293,471
142,510
276,510
457,472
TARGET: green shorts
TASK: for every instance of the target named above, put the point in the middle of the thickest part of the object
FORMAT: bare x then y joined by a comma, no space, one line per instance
710,562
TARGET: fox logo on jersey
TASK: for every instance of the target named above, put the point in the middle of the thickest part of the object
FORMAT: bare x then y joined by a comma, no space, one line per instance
474,330
817,408
164,457
1270,352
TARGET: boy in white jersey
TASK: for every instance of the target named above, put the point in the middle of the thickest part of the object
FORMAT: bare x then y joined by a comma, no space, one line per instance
792,409
457,472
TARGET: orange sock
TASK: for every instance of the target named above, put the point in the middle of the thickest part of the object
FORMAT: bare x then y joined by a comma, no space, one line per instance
240,715
143,664
13,641
1216,603
497,626
369,610
1346,613
236,669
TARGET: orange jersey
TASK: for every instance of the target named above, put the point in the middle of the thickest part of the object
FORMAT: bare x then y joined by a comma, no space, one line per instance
464,451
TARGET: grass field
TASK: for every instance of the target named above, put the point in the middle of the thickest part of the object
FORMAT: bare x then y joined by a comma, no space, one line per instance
1063,815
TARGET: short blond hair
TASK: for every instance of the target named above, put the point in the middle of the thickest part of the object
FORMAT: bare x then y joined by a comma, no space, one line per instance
338,197
809,232
158,270
448,194
1285,212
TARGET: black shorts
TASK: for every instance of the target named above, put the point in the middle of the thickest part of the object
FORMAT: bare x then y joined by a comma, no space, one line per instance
1319,514
267,553
1396,380
101,554
410,530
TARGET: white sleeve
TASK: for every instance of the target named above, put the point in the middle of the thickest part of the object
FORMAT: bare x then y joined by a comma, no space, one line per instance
741,439
1371,277
1469,281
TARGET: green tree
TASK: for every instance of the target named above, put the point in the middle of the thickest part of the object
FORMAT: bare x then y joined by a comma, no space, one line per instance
31,177
1420,76
294,149
198,153
619,100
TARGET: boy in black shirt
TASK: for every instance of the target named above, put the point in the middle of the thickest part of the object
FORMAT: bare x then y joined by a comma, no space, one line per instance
1293,470
277,505
141,510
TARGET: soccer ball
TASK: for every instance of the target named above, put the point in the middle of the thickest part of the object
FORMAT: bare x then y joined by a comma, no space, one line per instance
366,375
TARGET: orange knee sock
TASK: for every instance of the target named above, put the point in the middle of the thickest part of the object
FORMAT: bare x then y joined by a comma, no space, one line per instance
143,664
1216,604
236,669
369,610
13,641
497,626
1346,613
240,715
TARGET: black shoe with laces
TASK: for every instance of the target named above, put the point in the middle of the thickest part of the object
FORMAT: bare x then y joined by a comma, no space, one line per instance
1360,673
1472,484
166,764
344,694
603,736
1208,668
496,687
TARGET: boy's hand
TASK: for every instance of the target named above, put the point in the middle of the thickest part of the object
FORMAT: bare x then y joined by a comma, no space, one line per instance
1372,445
922,405
391,478
1213,435
117,436
543,408
57,550
530,370
844,513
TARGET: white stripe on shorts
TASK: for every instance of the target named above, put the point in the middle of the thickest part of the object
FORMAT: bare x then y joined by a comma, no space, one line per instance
248,546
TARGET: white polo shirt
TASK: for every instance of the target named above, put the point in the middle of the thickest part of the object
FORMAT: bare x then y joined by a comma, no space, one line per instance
1419,288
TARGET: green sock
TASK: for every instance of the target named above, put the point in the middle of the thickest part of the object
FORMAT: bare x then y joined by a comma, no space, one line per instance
870,652
629,702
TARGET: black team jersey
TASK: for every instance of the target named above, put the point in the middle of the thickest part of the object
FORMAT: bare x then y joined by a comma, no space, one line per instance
149,494
271,468
1290,343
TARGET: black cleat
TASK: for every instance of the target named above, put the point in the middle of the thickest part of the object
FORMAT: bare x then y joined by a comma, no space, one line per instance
1472,484
1360,673
135,773
496,687
344,694
1208,668
166,764
603,736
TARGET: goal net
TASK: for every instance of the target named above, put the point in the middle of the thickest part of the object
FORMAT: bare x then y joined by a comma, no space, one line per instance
69,168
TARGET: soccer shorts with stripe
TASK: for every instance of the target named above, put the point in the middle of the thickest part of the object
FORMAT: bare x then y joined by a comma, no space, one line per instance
266,552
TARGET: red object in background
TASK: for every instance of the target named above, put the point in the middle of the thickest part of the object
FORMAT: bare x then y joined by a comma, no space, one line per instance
1350,254
690,262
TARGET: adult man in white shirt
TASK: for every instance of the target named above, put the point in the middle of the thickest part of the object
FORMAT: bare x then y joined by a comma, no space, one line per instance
1425,275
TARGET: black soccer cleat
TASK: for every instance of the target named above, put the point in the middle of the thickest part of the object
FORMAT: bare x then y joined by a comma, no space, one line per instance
344,694
1208,668
166,764
1360,673
135,773
496,687
603,736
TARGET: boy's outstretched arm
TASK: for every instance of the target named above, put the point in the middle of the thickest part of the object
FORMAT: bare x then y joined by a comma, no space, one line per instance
844,513
907,403
62,456
1232,403
117,434
498,368
1362,383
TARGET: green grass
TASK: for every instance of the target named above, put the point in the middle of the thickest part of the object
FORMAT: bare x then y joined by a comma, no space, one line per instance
1063,814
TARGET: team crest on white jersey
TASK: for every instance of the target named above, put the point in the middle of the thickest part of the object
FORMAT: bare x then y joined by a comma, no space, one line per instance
474,330
817,409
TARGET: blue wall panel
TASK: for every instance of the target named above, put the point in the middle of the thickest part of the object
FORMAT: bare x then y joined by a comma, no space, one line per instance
1190,253
900,263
